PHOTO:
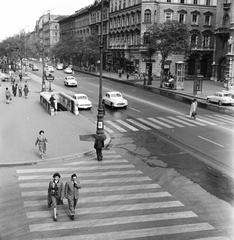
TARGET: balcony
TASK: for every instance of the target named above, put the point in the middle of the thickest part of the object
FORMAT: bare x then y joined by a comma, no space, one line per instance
226,6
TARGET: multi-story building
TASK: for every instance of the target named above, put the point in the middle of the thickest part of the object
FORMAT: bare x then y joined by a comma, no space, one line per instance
223,31
86,22
129,20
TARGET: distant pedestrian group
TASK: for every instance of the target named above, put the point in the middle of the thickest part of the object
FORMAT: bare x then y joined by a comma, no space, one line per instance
57,191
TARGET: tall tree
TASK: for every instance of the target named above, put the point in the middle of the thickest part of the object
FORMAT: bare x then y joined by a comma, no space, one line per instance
170,37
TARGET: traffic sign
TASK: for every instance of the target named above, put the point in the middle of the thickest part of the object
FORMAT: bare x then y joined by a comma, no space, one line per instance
50,78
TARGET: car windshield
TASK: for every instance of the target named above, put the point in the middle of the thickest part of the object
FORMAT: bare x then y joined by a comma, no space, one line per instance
116,95
82,97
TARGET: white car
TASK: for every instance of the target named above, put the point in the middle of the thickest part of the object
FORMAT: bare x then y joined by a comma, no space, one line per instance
68,70
221,98
83,101
70,81
50,68
4,76
59,67
115,99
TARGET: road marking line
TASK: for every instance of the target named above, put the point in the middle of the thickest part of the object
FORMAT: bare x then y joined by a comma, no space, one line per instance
169,121
227,128
135,109
108,198
112,208
127,125
205,121
91,181
111,221
116,126
212,238
149,123
211,141
138,233
151,186
138,124
159,122
183,122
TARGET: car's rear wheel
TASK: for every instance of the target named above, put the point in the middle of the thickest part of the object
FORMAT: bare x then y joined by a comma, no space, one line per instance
112,105
125,107
208,100
220,103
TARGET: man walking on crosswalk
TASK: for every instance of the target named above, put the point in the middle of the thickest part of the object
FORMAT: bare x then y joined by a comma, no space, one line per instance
71,193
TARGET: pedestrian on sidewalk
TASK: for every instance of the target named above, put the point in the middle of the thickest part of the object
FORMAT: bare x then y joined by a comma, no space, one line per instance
55,194
53,103
14,89
26,91
8,96
193,109
71,193
144,80
20,89
20,76
41,141
128,75
98,145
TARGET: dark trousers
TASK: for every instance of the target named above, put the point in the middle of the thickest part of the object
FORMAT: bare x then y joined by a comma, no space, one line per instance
99,154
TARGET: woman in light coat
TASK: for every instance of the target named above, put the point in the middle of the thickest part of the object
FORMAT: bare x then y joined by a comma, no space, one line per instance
41,142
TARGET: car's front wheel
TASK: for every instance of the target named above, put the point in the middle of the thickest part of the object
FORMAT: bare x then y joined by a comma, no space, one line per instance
125,107
220,103
208,100
112,105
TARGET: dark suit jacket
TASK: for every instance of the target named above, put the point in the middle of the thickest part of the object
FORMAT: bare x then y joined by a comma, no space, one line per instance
72,191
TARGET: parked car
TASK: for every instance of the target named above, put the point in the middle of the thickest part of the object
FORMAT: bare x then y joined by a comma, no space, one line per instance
83,101
59,67
115,99
30,65
68,70
4,76
221,98
35,68
50,68
70,81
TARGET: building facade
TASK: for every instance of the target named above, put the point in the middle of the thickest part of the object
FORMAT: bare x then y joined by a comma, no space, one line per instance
224,32
129,20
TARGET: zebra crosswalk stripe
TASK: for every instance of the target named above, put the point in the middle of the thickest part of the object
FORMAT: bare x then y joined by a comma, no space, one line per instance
182,121
115,126
138,124
160,123
149,123
225,117
127,125
218,119
169,121
189,120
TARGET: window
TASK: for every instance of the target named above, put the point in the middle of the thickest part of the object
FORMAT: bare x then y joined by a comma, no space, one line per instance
112,7
181,18
207,20
168,16
123,21
226,20
206,40
168,0
133,19
127,20
195,2
208,2
124,3
194,38
194,19
120,4
182,1
147,16
116,6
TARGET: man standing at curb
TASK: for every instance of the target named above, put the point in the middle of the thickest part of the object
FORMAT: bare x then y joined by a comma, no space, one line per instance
98,145
71,193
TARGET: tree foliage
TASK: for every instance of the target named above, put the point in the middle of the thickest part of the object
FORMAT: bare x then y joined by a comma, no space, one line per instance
170,37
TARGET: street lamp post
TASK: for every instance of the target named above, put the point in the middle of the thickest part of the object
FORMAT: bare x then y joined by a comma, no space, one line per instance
100,116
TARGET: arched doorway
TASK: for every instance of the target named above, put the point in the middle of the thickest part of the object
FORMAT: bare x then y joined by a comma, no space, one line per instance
222,69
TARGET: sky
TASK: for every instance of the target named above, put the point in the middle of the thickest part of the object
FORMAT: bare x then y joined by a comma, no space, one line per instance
22,14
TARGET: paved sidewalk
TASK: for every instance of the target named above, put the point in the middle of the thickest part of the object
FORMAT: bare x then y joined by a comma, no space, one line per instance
208,87
69,136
